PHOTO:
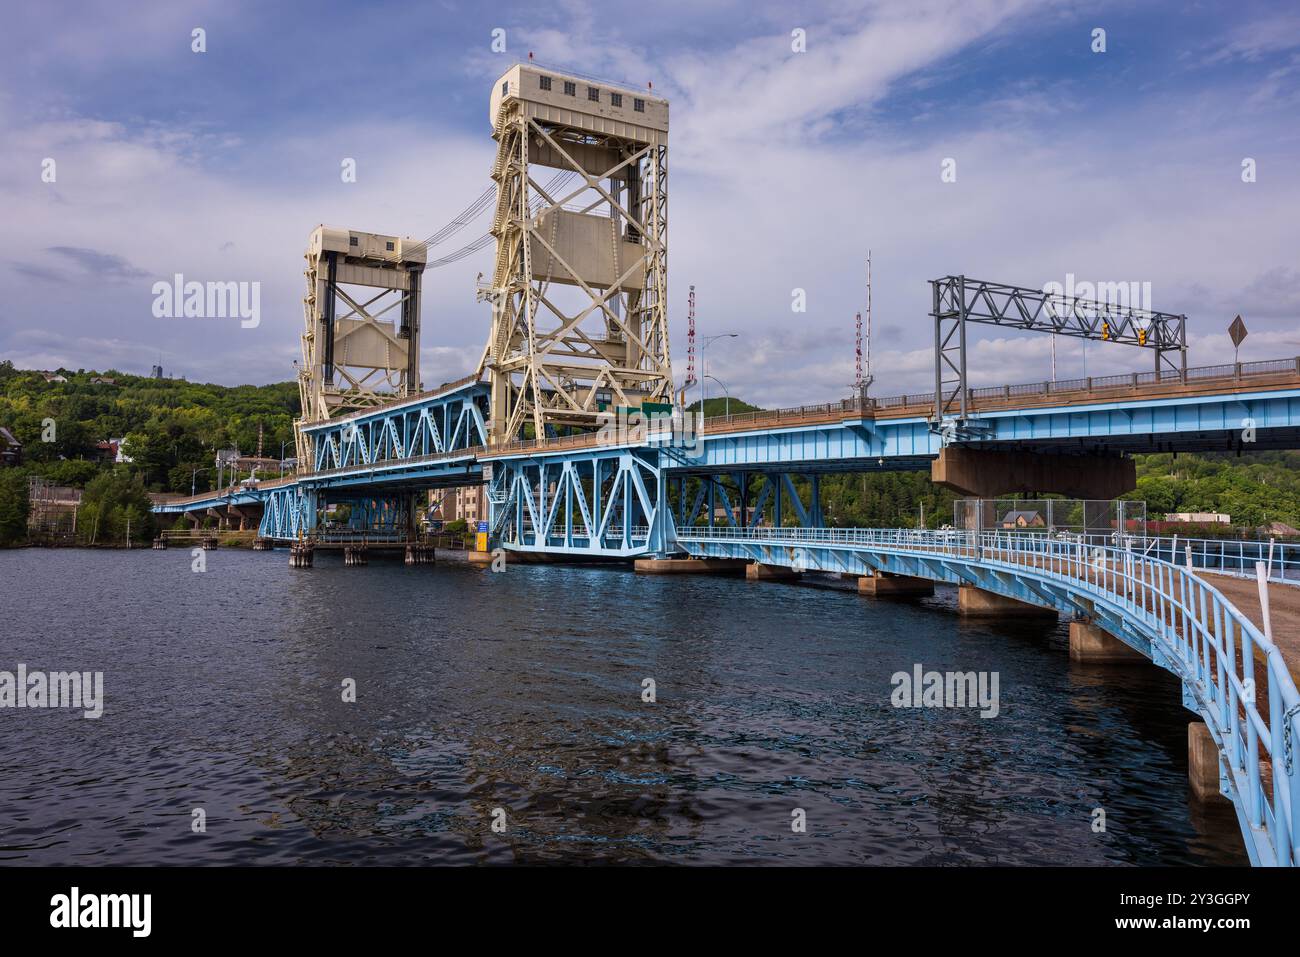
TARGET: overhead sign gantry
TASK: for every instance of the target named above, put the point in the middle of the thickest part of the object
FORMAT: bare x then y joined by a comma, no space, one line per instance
958,300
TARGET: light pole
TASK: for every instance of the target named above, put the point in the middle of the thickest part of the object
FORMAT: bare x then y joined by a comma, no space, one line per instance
704,344
193,475
282,445
725,391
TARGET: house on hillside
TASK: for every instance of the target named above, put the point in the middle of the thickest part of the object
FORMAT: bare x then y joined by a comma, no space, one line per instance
53,377
1279,530
1022,519
11,450
102,380
106,451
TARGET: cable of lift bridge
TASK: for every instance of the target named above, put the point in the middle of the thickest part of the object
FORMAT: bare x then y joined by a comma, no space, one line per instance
559,181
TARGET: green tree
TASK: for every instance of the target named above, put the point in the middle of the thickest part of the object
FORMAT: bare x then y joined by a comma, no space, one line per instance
13,506
113,503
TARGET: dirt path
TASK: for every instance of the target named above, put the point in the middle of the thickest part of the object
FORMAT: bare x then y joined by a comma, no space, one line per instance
1283,602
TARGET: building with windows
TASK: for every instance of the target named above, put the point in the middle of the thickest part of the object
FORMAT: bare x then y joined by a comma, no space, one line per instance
467,503
1200,518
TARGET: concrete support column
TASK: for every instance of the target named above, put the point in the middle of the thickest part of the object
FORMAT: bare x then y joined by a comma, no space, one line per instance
987,474
977,603
758,572
1090,644
688,566
884,585
1203,763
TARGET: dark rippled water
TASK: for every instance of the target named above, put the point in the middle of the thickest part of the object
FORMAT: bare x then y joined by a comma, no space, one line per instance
522,691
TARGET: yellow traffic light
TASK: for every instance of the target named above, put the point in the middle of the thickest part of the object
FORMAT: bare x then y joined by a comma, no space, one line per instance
1105,330
1142,337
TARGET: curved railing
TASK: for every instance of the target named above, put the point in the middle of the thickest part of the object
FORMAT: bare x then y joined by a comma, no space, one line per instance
1193,630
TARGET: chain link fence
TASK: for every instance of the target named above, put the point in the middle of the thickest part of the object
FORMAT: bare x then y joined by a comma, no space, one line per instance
1050,516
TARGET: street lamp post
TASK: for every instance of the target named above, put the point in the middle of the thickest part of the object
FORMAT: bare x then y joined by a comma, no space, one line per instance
725,391
704,344
194,473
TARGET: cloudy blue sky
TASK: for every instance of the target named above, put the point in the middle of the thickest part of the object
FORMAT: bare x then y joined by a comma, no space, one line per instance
785,167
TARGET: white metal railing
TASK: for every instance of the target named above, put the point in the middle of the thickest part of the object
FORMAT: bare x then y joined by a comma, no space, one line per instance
1200,635
1227,556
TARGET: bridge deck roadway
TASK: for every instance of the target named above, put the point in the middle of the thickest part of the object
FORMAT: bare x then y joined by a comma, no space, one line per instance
1037,396
1257,377
1284,609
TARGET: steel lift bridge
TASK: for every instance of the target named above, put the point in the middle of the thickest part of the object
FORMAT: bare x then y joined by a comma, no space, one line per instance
569,422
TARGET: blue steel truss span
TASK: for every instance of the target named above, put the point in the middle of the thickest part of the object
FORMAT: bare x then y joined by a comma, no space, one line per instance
373,460
441,439
1165,611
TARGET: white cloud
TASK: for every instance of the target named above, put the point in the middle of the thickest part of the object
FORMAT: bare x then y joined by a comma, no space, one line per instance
782,176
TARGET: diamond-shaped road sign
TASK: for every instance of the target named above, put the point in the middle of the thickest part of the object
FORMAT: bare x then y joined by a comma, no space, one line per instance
1238,331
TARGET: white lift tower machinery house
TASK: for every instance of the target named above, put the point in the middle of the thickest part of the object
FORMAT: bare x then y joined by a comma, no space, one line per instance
579,289
361,336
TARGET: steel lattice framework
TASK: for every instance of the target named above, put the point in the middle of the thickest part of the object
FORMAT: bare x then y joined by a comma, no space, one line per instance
557,358
958,300
447,421
368,352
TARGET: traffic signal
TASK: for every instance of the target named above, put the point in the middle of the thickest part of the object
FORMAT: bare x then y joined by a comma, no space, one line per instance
1142,337
1105,330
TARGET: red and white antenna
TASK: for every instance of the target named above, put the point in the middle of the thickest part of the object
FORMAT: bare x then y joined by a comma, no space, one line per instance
865,378
857,380
690,338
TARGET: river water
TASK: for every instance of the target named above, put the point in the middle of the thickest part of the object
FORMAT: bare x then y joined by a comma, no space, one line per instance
517,699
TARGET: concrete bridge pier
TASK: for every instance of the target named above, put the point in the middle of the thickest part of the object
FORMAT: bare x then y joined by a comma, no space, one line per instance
1090,644
688,566
988,474
243,515
885,585
975,602
758,572
1203,771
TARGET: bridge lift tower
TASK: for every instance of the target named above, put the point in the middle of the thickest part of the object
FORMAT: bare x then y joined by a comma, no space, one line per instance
579,289
361,336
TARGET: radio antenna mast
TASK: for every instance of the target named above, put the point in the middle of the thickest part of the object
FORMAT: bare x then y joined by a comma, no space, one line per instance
865,379
690,338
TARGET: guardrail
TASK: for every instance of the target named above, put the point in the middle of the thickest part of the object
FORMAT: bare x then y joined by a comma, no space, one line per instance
199,534
1200,636
923,402
1224,556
